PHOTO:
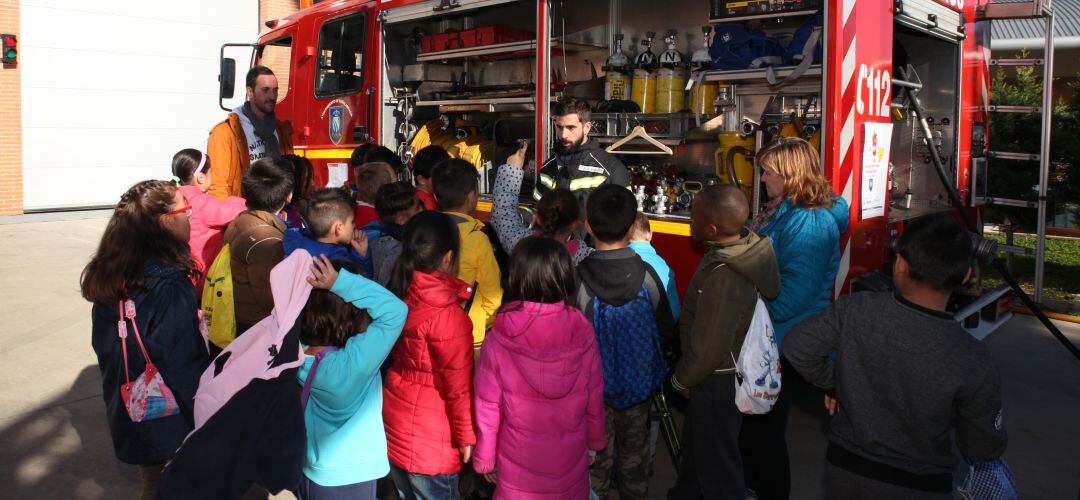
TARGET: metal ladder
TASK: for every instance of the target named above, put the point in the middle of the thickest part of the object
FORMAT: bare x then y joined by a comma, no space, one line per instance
1028,10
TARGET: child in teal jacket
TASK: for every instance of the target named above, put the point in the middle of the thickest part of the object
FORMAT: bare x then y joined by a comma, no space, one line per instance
346,442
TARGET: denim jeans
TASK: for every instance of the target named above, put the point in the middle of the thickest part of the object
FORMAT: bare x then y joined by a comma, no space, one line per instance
310,490
424,487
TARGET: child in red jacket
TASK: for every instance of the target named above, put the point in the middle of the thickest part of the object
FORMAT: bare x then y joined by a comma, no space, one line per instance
422,164
369,178
539,385
209,216
427,404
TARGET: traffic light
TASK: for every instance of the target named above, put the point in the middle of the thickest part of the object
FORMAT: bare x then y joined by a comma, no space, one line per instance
9,49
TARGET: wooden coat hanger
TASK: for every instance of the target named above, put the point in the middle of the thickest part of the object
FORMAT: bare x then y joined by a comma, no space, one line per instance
639,133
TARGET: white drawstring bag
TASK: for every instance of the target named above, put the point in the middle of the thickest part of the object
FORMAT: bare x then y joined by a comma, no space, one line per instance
757,371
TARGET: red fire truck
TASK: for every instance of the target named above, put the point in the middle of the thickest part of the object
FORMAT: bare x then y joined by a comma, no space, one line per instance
474,75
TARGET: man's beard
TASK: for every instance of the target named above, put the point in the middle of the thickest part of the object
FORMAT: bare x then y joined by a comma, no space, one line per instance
267,107
573,148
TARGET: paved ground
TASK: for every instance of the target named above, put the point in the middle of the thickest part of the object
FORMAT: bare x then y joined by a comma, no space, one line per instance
54,442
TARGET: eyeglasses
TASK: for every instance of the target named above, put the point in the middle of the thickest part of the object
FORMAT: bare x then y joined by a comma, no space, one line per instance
186,210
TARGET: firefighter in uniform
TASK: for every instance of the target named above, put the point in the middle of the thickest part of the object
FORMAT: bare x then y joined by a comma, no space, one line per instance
577,163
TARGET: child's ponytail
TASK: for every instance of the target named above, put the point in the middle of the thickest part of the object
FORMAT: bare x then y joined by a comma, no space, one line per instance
427,238
556,211
186,163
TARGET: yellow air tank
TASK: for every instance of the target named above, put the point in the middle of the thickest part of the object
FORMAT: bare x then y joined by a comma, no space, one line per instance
643,90
703,97
703,94
670,90
671,78
617,74
616,86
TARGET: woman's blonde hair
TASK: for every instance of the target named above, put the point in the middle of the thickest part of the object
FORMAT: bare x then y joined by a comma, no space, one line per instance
797,162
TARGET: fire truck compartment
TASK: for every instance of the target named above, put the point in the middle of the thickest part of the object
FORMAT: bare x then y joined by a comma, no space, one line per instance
916,189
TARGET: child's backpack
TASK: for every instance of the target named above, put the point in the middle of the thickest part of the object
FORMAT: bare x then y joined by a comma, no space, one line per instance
629,342
736,47
757,371
217,300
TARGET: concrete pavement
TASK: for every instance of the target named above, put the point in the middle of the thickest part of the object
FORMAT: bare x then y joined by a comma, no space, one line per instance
54,442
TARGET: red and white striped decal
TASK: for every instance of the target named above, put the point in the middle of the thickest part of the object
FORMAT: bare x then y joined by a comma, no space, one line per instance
848,155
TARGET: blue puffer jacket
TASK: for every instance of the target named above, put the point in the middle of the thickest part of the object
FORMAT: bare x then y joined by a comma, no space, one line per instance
807,245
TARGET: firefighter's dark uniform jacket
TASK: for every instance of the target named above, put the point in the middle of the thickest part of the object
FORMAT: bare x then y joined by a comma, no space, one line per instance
581,171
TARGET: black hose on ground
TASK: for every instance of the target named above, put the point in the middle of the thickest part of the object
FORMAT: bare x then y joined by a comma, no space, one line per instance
954,197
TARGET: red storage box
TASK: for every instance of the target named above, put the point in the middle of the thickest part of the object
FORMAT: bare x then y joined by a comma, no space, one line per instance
442,41
493,35
476,37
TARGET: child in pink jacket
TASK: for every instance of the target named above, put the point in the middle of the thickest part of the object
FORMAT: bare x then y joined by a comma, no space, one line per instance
209,216
539,395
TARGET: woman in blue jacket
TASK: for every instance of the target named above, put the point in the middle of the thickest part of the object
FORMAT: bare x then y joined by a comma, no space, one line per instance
348,327
144,257
804,220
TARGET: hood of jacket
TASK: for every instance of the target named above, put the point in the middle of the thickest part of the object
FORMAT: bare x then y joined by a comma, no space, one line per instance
751,256
155,275
548,347
298,238
267,349
302,238
840,213
613,275
249,219
437,289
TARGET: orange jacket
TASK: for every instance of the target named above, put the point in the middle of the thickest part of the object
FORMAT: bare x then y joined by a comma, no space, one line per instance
227,149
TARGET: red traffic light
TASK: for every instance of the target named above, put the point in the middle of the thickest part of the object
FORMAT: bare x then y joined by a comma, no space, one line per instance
8,49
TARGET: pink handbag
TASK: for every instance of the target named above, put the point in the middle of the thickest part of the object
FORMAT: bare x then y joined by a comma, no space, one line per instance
147,397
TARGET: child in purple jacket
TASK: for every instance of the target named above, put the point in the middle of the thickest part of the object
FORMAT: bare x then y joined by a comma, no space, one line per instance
540,359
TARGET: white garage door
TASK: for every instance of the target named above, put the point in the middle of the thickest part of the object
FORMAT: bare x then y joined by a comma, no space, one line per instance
111,90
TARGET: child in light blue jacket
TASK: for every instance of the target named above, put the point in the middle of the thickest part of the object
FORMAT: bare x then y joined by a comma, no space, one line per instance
348,327
641,243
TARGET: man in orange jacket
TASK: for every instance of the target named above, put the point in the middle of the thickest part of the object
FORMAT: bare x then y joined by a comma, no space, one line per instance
251,131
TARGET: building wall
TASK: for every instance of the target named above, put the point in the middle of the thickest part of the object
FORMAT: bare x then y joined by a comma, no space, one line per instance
11,97
11,181
112,90
277,58
276,9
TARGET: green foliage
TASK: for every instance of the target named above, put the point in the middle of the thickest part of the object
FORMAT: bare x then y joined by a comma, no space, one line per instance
1015,132
1062,272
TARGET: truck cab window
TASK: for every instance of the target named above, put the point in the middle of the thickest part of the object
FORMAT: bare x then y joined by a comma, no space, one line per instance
341,56
277,55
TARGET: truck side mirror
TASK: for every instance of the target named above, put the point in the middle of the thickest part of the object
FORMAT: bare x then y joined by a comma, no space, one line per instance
227,78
